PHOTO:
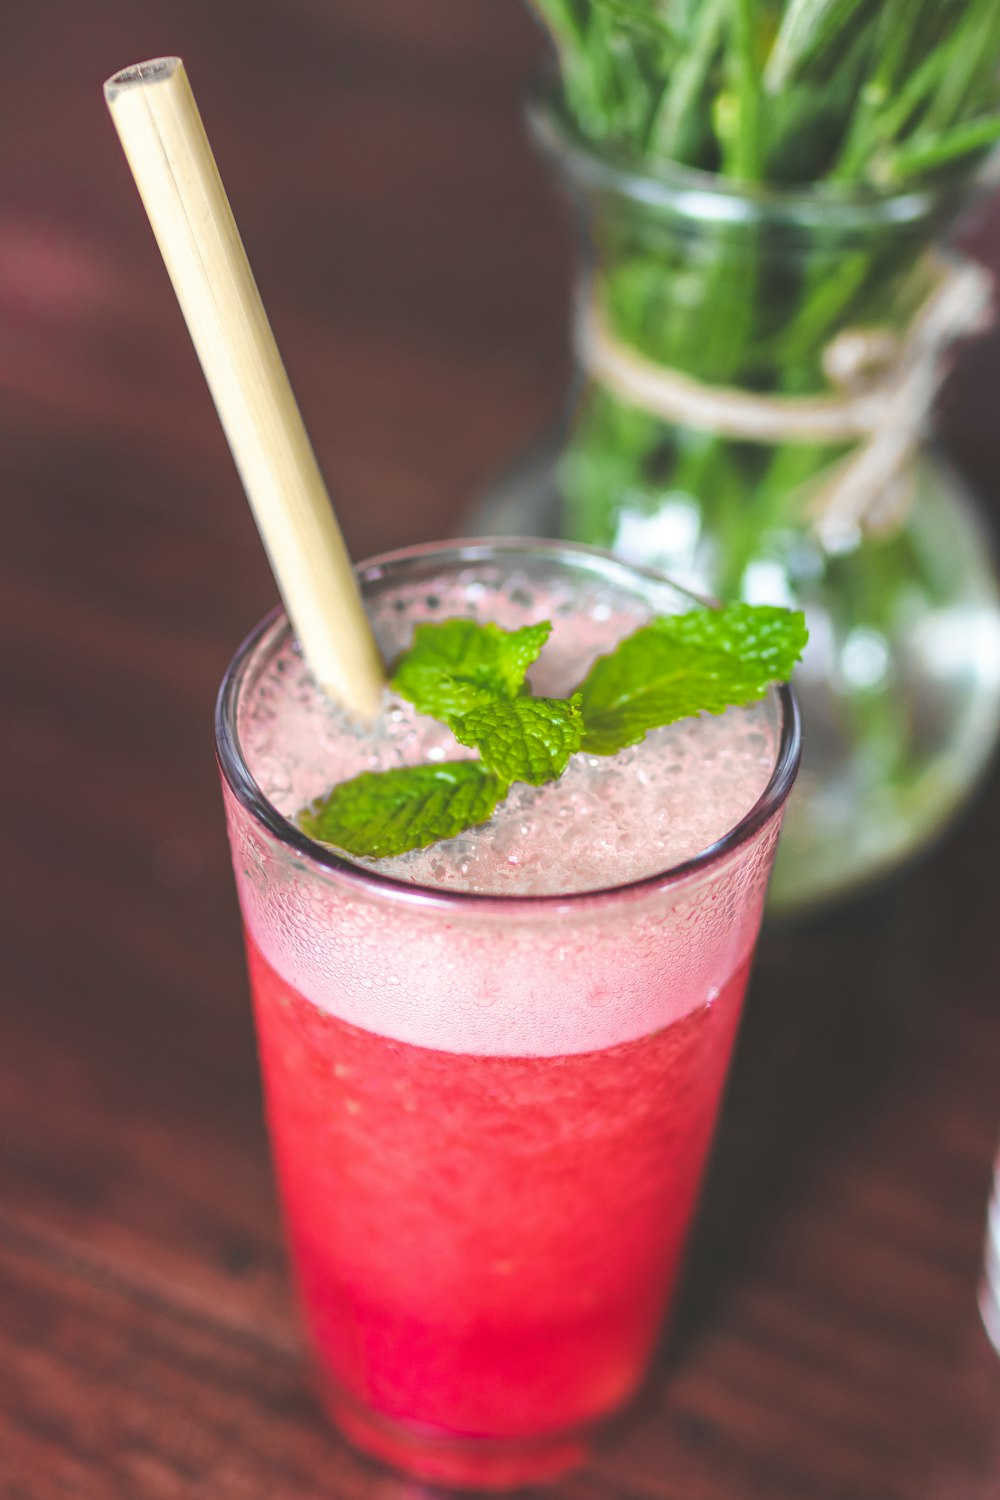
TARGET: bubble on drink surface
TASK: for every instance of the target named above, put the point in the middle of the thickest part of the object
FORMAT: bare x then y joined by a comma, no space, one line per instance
607,821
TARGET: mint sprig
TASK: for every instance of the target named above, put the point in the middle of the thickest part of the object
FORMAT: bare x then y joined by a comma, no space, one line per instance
473,678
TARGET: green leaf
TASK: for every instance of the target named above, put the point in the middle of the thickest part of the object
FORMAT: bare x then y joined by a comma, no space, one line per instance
381,813
702,662
458,665
930,153
527,739
807,27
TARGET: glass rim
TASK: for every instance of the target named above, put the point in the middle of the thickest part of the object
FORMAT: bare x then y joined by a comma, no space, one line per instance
249,794
695,193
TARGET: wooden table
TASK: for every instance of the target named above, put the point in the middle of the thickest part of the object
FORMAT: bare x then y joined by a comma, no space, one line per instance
417,265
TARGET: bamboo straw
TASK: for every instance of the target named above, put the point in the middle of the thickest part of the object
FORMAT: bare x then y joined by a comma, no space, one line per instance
157,120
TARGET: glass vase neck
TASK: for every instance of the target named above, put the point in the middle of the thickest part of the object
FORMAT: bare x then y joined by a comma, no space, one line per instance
667,188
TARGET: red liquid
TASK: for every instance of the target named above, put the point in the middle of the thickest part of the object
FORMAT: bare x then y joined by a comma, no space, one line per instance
484,1246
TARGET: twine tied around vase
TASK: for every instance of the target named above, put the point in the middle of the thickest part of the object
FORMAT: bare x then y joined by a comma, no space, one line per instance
884,386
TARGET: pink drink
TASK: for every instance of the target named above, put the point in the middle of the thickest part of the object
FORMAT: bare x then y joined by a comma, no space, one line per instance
490,1109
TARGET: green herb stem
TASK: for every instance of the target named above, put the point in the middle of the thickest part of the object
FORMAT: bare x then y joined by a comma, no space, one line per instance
783,90
938,150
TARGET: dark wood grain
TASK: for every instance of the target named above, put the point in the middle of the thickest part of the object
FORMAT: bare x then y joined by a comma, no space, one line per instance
417,266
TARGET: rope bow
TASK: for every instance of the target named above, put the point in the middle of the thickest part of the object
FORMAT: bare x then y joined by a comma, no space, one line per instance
884,388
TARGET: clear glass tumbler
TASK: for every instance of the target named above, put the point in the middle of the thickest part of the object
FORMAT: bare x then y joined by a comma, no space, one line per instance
489,1115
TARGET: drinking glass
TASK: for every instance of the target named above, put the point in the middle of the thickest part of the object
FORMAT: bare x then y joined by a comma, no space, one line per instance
489,1114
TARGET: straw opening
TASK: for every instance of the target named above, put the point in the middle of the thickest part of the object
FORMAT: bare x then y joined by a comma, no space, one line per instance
152,71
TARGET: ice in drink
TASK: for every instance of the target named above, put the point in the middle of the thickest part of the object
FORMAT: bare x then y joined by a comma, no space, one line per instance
492,1067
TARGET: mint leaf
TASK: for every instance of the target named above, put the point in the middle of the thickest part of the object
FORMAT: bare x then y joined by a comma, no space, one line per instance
527,739
381,813
679,665
456,666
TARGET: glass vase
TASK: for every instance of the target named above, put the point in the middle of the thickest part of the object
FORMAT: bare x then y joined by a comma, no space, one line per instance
803,294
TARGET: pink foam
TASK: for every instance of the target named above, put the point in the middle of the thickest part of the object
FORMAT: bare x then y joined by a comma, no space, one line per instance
493,978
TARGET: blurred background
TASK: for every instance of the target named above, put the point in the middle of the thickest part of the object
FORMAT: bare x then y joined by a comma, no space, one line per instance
417,265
